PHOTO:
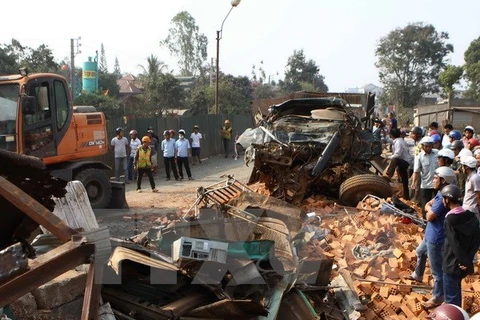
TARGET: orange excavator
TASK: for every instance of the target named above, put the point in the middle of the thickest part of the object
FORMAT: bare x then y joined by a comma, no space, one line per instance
37,118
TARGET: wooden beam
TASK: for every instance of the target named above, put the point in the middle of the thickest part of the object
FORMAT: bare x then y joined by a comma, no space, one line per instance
35,210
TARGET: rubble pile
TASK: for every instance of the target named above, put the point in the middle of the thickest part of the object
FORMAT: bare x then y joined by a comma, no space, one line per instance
235,258
378,251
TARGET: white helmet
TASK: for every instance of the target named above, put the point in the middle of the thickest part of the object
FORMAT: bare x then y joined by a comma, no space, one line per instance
446,153
446,173
469,128
181,131
476,316
469,161
428,141
465,152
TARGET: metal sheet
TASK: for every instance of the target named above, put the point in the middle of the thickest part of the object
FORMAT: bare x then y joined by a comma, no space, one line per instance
121,254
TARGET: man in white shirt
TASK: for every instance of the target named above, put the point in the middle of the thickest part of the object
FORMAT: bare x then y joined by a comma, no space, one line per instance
182,147
446,131
401,160
120,148
169,150
424,168
196,137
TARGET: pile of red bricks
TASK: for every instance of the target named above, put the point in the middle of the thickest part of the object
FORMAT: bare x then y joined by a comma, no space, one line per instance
379,278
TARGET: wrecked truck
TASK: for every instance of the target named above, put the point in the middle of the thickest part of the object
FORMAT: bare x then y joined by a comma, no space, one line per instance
317,146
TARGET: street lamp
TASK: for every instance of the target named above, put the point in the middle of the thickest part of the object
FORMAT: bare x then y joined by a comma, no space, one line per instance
234,3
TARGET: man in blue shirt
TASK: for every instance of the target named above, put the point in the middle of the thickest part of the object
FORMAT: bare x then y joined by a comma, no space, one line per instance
432,244
182,146
168,148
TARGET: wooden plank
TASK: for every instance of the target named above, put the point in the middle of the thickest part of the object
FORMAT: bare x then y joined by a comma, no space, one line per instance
35,210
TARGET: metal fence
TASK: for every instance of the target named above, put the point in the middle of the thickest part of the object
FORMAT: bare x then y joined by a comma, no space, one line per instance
209,124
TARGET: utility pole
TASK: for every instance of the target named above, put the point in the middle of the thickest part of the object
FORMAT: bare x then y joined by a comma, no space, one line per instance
74,50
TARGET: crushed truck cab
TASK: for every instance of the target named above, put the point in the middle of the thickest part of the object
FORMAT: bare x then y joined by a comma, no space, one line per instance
317,145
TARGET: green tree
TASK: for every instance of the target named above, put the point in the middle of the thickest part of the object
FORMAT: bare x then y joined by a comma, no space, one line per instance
410,60
185,42
201,98
102,64
8,62
150,79
171,93
236,94
106,104
14,55
472,69
448,78
41,60
116,69
300,70
108,82
264,91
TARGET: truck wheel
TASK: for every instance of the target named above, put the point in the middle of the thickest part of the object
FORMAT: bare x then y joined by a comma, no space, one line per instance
354,189
98,187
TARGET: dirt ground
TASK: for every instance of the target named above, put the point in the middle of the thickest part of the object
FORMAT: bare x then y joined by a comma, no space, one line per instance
181,194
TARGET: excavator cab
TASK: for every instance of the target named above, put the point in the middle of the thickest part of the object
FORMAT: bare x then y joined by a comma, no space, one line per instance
37,118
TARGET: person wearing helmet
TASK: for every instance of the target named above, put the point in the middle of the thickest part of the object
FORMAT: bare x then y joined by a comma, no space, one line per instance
472,184
154,143
454,135
476,154
437,141
226,134
446,131
432,244
400,161
424,168
196,137
120,149
445,157
135,143
433,132
416,134
472,144
154,135
449,312
468,133
168,149
461,244
172,134
143,164
459,151
476,316
182,147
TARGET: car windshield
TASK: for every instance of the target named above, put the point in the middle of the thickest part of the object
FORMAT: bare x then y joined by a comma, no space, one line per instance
9,94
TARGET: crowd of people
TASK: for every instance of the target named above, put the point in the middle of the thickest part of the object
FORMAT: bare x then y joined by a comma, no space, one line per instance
137,157
439,171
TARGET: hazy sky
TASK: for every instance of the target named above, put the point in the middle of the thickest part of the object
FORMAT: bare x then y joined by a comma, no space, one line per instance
340,35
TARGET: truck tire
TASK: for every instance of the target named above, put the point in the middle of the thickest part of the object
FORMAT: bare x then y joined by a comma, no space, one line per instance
354,189
98,187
